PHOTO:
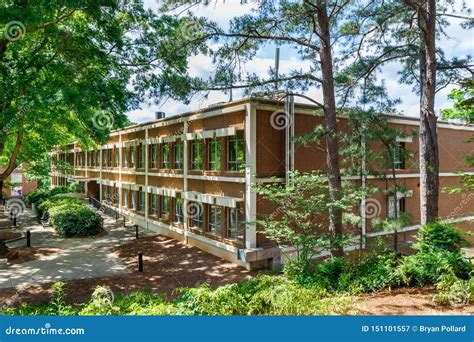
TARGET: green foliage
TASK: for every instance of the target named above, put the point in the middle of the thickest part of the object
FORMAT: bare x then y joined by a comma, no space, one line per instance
298,219
262,295
38,196
74,187
372,272
425,268
463,106
455,291
404,219
75,220
56,201
440,236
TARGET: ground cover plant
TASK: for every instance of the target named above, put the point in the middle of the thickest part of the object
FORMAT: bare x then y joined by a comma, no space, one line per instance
326,287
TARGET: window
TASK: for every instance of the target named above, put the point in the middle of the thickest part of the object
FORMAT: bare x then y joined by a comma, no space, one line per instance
16,177
154,156
141,156
165,163
134,200
141,201
178,155
236,157
125,157
110,157
125,198
133,156
195,211
178,206
399,156
236,226
196,155
215,155
397,204
117,157
165,207
154,205
215,214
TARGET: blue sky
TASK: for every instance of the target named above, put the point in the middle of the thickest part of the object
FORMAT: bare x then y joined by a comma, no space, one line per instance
222,11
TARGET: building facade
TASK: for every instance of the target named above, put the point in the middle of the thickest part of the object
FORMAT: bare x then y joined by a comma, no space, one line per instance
191,176
17,185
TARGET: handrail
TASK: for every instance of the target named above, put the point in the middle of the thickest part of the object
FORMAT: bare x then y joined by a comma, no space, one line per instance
106,209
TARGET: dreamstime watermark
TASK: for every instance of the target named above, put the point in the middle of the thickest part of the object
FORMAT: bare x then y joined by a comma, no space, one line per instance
459,295
47,329
465,201
14,30
194,210
373,208
103,120
15,207
280,119
103,295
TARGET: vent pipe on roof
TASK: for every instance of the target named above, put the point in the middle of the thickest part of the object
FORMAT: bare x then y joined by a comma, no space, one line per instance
160,115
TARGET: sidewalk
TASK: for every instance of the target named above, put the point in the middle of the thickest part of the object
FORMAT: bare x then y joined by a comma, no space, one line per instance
80,257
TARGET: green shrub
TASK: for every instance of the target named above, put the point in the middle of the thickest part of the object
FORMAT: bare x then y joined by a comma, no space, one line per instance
37,196
437,236
58,200
75,220
74,187
425,268
454,291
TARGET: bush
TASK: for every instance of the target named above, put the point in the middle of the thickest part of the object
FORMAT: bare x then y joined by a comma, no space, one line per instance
75,220
58,200
454,291
425,268
262,295
37,196
75,187
374,272
439,236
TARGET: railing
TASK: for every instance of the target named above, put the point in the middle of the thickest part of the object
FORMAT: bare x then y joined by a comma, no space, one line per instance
107,210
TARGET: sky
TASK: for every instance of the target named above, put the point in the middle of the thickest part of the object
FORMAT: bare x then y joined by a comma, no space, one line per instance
460,44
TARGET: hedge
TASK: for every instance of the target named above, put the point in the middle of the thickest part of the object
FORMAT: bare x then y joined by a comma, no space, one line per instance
58,200
75,220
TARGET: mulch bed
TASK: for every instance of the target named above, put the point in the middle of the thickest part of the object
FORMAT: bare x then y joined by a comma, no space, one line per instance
8,235
407,301
23,254
168,264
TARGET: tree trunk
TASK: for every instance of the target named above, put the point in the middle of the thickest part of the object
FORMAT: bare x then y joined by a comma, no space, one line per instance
330,123
429,153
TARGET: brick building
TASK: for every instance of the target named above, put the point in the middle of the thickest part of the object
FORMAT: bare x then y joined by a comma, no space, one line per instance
17,185
190,176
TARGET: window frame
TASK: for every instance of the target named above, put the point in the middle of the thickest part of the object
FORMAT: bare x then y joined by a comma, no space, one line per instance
215,165
193,155
235,165
179,162
212,227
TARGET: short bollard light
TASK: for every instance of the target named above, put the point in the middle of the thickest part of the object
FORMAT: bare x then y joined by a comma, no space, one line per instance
136,231
140,262
14,221
28,238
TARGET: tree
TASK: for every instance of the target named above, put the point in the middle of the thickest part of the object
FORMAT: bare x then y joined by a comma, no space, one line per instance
406,30
70,70
307,27
463,106
299,218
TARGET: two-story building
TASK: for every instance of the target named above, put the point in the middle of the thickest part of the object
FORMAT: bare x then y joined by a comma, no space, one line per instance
190,176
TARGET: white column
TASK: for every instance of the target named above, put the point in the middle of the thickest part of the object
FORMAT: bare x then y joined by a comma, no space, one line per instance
250,172
145,146
100,173
185,181
120,171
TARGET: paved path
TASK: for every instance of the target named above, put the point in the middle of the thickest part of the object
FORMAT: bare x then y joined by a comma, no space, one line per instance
79,258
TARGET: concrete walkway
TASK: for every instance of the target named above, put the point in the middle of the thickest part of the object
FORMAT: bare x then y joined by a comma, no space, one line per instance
79,258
